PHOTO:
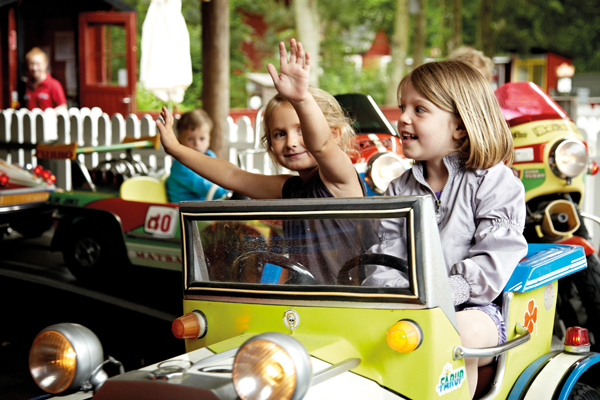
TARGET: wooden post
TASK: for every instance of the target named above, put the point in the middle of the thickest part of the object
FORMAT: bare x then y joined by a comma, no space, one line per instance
12,58
307,25
486,32
419,40
456,24
215,71
399,49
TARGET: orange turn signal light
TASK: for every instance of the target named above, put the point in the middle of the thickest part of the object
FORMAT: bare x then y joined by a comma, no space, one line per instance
405,336
592,167
190,326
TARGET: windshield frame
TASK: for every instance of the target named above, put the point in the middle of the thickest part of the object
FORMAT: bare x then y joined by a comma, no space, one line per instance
409,207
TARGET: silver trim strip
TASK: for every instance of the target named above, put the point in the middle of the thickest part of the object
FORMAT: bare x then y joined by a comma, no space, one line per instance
335,370
461,352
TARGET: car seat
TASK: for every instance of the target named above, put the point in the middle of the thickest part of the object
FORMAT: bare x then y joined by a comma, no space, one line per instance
144,188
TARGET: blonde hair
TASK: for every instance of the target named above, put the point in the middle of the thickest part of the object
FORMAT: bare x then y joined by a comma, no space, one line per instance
333,112
458,88
192,120
474,58
36,51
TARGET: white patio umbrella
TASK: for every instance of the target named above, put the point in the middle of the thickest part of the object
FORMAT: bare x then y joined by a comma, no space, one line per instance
166,64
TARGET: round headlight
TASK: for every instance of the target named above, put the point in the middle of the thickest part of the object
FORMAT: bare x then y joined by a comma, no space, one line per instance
568,158
272,366
382,169
65,357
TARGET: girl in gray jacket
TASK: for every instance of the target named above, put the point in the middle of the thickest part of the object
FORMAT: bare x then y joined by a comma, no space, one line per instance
452,126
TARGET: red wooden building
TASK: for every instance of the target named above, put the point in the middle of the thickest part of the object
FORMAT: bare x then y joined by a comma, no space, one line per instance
91,47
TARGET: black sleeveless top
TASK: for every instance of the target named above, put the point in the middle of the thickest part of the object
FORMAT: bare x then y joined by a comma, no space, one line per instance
323,246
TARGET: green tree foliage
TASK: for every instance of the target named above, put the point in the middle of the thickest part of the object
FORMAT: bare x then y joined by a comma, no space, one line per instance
348,28
570,28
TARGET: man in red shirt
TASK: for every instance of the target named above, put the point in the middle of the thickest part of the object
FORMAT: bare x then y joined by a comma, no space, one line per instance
43,91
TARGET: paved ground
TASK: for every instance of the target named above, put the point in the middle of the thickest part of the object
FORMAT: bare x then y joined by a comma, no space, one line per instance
131,313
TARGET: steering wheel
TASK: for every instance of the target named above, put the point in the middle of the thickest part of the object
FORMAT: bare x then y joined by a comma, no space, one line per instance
252,265
353,270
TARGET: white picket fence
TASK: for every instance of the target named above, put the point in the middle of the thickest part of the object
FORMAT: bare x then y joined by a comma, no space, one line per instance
92,127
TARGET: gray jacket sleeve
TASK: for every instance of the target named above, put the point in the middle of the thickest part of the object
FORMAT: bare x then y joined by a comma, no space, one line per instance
392,239
498,243
481,233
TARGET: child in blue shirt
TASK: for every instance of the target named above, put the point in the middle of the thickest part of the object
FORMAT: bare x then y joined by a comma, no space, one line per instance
184,184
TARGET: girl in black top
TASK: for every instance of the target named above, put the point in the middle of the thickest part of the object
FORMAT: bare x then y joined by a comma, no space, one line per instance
306,131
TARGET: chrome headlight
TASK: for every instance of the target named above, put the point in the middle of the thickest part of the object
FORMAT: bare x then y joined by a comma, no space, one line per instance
66,357
272,366
568,158
382,169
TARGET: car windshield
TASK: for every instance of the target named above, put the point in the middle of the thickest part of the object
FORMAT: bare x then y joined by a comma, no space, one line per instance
307,248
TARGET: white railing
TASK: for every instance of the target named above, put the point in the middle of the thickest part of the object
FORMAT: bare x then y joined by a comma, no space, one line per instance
588,121
92,127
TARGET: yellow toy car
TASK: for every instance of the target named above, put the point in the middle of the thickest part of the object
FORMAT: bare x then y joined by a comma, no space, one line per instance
260,324
552,161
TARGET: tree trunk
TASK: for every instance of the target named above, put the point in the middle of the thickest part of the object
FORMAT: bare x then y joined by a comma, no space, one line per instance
486,33
308,27
446,25
399,49
215,71
420,24
456,25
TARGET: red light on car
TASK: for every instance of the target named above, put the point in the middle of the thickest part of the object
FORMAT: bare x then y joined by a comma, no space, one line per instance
38,170
3,179
593,168
577,340
190,326
52,178
46,174
577,336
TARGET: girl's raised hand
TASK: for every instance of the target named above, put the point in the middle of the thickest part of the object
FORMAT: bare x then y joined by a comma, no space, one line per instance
167,136
292,79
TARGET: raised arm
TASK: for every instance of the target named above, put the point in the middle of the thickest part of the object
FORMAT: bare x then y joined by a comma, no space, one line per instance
221,172
335,167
